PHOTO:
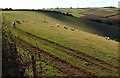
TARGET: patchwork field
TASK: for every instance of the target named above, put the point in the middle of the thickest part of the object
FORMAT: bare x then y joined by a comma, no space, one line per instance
100,13
93,14
63,52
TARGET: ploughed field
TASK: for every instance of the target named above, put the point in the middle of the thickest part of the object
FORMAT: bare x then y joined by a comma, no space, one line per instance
63,52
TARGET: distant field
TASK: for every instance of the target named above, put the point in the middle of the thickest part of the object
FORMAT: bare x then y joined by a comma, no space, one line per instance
92,13
75,12
78,12
63,49
100,13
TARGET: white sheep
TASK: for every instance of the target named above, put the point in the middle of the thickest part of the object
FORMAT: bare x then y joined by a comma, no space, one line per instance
13,23
107,38
51,25
77,30
57,25
65,27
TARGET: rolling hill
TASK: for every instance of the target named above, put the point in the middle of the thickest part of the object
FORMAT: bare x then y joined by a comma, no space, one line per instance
73,47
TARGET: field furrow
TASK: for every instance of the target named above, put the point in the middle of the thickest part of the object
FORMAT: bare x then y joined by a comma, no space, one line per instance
71,69
76,53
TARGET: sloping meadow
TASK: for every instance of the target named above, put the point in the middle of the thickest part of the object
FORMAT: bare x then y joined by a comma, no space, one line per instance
39,24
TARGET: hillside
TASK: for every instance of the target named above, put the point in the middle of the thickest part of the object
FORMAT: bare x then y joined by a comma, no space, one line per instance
79,12
91,14
73,47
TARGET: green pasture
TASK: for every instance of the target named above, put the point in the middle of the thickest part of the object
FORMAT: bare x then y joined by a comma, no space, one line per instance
75,61
83,40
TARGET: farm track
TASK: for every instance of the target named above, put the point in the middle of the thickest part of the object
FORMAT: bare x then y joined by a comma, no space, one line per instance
66,66
77,54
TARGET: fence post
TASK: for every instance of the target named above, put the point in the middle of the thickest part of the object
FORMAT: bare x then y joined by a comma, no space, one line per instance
34,66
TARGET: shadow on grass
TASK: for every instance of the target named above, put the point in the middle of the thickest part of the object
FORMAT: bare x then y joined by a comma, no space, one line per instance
89,26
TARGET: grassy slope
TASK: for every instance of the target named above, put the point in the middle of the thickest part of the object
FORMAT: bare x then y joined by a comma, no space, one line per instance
88,43
93,27
64,56
104,30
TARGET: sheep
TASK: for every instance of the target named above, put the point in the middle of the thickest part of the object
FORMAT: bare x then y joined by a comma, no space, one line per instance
107,38
13,23
51,25
57,25
97,34
77,30
33,22
18,21
65,27
72,29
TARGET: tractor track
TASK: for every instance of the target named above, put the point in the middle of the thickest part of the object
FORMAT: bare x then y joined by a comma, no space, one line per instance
71,69
77,54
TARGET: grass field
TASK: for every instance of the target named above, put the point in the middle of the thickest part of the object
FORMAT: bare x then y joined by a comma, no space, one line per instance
80,41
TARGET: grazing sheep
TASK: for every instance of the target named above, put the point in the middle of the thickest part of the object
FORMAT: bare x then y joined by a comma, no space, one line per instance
107,38
97,34
77,30
18,21
51,25
72,29
33,22
13,23
57,25
65,27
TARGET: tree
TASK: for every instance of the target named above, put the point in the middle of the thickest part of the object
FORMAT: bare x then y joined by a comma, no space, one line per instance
10,9
70,7
6,9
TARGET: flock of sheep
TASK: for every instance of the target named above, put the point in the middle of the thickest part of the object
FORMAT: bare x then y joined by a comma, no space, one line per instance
65,27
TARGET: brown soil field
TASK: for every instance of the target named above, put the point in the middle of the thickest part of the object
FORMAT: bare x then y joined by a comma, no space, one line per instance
113,19
89,17
100,13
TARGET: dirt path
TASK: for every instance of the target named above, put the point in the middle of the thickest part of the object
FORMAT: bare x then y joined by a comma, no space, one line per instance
71,69
76,53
